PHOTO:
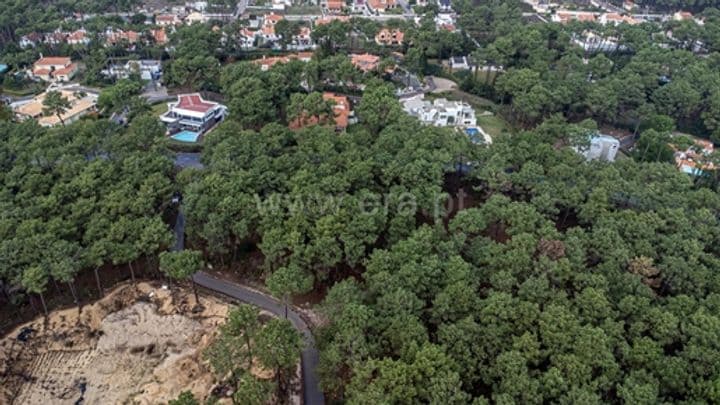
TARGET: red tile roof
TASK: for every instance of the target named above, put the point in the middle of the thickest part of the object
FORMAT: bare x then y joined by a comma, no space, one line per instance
66,70
194,102
329,19
53,60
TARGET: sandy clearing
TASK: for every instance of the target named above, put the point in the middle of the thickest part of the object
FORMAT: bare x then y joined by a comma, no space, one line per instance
136,345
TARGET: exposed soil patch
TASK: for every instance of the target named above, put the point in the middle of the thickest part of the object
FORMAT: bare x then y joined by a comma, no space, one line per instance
137,345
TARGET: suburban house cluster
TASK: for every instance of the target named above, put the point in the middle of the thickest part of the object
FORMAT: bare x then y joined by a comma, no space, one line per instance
693,160
111,37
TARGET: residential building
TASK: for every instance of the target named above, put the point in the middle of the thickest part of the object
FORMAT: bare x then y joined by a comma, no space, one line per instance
565,16
247,38
268,62
159,36
601,147
444,6
593,43
268,27
358,6
330,18
440,112
445,21
388,36
78,37
694,160
280,5
166,20
54,69
196,17
380,6
192,113
682,16
616,19
341,113
147,69
302,40
80,105
333,6
460,63
30,40
365,62
121,37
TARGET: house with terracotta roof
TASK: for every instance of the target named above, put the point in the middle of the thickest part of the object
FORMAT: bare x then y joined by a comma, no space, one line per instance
193,113
565,16
380,6
333,6
341,109
78,37
341,113
121,37
330,18
54,69
267,62
365,62
268,27
80,105
247,38
159,36
302,39
682,16
694,160
387,36
165,20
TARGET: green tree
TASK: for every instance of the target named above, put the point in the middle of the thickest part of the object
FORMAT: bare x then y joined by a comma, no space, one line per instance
185,398
56,104
288,281
181,265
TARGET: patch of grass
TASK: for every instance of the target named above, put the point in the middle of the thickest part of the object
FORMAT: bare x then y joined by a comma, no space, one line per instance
493,125
305,9
159,109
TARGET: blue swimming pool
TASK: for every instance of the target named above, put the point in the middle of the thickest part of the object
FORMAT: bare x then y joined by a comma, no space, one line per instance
186,136
474,135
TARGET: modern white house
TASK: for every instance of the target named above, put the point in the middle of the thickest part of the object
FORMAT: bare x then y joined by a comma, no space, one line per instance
193,113
440,112
146,68
601,147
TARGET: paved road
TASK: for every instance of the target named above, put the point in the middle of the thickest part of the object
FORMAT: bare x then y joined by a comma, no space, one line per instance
312,395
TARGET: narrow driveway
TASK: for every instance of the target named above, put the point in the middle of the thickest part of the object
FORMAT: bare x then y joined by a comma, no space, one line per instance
312,395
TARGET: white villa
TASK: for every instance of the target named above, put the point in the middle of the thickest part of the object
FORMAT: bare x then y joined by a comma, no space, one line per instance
191,112
601,147
440,112
148,69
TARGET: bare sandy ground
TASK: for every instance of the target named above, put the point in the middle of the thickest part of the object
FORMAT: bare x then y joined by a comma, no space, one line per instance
137,345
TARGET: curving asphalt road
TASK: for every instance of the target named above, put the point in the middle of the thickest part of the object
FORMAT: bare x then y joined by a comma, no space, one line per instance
312,395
